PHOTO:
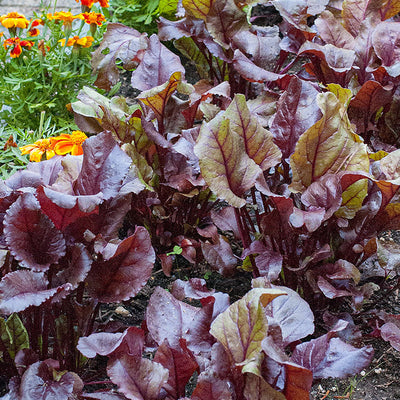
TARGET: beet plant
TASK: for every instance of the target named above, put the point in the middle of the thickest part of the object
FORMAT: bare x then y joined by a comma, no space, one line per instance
286,143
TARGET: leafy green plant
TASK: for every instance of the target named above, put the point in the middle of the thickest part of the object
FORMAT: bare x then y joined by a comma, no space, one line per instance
44,62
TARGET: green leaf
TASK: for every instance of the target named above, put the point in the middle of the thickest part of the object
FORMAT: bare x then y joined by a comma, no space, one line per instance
5,335
18,335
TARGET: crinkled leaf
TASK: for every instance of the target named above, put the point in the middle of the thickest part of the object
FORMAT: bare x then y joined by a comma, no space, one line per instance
329,146
258,141
324,193
225,166
332,31
137,379
194,288
296,112
330,357
126,269
180,364
157,66
36,174
18,335
104,167
242,327
297,11
21,289
119,42
31,236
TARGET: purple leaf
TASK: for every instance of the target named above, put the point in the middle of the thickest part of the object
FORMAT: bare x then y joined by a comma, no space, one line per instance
119,42
36,174
31,236
104,166
324,193
137,378
157,66
21,289
113,344
224,20
310,219
212,388
296,112
250,71
330,357
42,382
168,318
126,269
104,396
220,256
195,288
268,261
180,364
292,314
64,209
262,45
391,333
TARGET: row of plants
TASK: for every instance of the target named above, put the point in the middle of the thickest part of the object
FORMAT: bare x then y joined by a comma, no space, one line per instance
285,145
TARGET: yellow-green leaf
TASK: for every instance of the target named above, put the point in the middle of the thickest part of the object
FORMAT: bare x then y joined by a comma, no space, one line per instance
18,334
197,8
243,325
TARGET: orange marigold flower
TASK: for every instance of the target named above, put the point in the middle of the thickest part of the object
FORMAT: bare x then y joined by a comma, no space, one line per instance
93,18
85,41
33,31
87,3
16,43
103,3
72,143
14,20
66,16
37,149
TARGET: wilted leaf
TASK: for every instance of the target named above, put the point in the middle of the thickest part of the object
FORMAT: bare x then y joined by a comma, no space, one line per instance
224,164
31,236
243,326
